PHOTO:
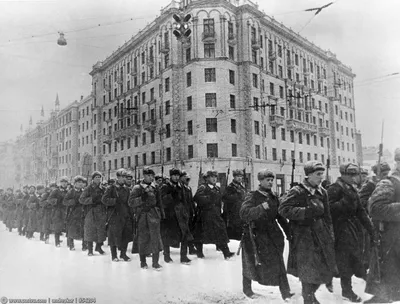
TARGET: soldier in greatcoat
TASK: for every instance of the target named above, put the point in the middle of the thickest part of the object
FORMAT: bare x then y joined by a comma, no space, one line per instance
311,249
95,219
145,201
75,212
33,209
22,210
56,198
119,220
2,206
384,207
47,210
210,227
129,180
349,219
185,180
233,198
11,209
264,238
175,227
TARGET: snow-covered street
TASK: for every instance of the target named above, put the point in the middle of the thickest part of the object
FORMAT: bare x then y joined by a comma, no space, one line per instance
32,269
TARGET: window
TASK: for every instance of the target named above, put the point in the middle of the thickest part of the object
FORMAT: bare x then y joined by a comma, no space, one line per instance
292,156
291,136
272,89
188,55
167,84
315,141
167,107
308,139
189,103
208,26
190,151
232,101
188,79
257,127
144,158
283,134
308,156
152,137
257,150
231,77
168,154
190,127
234,150
254,56
283,155
122,144
211,100
281,92
115,146
211,125
274,157
231,53
273,132
233,125
280,71
300,138
322,141
255,80
209,50
301,157
209,75
143,139
212,150
168,130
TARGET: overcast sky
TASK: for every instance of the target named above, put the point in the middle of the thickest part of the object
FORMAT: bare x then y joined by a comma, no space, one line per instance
363,34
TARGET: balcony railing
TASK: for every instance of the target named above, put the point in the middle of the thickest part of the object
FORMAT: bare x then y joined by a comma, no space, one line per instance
255,44
208,36
165,48
107,87
232,38
290,64
271,55
120,134
306,72
312,128
150,124
296,125
276,120
323,131
107,138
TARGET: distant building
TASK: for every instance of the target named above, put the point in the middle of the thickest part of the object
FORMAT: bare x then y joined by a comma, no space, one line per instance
7,166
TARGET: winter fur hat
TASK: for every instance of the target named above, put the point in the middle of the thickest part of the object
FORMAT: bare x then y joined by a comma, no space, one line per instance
238,172
349,169
96,173
265,174
312,166
174,171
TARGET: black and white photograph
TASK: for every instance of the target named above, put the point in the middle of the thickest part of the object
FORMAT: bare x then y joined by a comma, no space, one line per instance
199,151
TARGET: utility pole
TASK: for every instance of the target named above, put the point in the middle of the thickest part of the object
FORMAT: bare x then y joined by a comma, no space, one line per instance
380,152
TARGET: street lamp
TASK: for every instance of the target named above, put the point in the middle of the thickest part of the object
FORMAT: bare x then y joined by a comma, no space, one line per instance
181,25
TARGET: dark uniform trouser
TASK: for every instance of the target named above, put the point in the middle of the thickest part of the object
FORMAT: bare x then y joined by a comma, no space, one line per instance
308,291
284,287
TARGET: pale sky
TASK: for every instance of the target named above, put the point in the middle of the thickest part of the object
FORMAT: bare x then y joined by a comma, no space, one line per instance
362,33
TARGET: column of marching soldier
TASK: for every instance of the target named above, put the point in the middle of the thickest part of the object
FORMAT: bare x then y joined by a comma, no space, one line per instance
350,227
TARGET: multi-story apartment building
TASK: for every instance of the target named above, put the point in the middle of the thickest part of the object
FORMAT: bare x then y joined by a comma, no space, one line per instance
243,92
7,165
87,136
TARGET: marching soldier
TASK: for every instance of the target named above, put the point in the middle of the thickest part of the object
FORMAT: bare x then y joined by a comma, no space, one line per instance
159,180
11,209
185,180
129,180
175,226
18,200
210,227
233,198
263,241
47,209
56,198
119,221
2,206
384,281
311,249
145,201
349,218
22,211
74,218
369,186
33,209
95,220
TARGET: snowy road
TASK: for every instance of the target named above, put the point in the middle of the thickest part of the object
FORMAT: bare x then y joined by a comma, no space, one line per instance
31,269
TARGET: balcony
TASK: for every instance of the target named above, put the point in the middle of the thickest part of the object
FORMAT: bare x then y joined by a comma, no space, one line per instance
209,37
290,64
323,131
271,56
119,80
255,44
150,61
120,134
311,128
150,125
306,72
296,125
165,48
308,108
232,39
107,87
132,130
133,72
334,98
276,120
151,101
107,138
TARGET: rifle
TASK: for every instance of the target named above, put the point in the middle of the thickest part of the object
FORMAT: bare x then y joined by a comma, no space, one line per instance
200,173
253,243
293,168
241,243
328,166
380,153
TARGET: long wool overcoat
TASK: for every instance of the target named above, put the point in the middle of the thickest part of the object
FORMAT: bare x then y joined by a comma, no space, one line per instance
210,227
268,238
95,219
175,226
75,214
33,213
46,213
233,199
56,198
145,202
119,217
311,250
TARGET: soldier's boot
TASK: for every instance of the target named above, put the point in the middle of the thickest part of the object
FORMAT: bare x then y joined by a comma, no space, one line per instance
200,254
90,248
347,290
24,231
57,239
217,248
284,288
114,257
226,251
123,255
246,283
167,254
184,258
46,238
143,263
10,229
84,246
155,257
99,249
308,293
329,286
41,236
192,249
71,244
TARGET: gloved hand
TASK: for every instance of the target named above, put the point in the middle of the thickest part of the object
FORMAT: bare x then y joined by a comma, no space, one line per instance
315,209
